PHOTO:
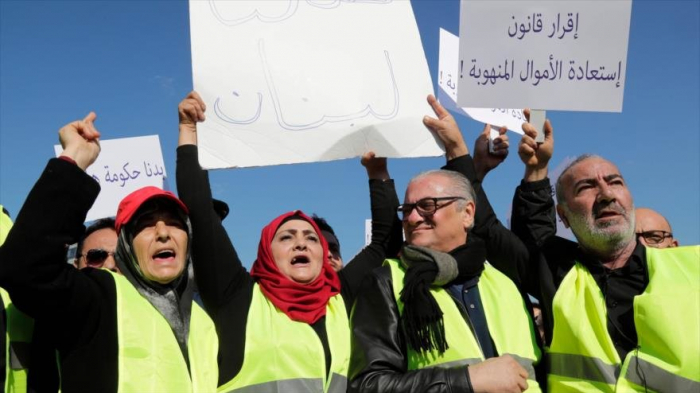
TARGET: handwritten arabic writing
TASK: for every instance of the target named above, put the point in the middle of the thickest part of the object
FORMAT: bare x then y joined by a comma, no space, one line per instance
269,12
368,110
219,111
550,71
535,25
127,173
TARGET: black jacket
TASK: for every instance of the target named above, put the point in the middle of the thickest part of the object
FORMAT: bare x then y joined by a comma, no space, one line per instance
76,308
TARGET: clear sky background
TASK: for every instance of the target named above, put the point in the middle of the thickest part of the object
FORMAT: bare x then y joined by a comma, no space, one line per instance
129,61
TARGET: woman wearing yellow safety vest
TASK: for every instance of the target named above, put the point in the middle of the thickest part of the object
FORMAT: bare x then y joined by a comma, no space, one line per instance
139,332
283,327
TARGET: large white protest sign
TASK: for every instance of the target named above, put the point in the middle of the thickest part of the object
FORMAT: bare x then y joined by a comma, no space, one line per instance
559,55
289,81
448,74
124,165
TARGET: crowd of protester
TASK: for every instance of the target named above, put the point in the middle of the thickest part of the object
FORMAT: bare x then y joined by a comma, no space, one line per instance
441,300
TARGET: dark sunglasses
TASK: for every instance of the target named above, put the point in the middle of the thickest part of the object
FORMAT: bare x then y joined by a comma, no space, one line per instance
96,256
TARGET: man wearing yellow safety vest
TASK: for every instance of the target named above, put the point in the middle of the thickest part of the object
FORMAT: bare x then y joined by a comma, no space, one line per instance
140,332
441,318
618,316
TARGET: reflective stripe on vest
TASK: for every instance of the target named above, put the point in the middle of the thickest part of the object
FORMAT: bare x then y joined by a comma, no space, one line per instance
582,356
509,325
282,355
150,359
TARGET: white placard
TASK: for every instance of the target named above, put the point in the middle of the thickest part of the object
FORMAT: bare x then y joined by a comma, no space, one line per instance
550,55
123,166
288,81
448,75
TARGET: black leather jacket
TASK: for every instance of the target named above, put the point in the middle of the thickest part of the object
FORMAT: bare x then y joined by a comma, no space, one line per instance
379,357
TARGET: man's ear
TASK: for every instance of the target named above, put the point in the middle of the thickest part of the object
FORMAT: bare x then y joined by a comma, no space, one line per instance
75,262
468,217
562,215
674,243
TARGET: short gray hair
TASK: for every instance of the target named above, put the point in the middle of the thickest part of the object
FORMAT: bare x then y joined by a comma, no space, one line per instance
559,186
459,186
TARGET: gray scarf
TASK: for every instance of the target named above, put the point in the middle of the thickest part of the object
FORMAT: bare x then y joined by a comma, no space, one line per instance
172,300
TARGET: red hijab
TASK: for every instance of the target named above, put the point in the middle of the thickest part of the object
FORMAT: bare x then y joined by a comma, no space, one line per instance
301,302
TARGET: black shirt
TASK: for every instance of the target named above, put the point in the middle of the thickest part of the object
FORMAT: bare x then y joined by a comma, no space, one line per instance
619,287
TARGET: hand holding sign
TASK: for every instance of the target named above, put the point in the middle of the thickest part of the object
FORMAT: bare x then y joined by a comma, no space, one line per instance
535,155
80,141
376,166
484,159
190,112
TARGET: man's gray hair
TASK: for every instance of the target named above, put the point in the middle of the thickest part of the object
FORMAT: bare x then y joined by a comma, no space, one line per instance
459,185
559,185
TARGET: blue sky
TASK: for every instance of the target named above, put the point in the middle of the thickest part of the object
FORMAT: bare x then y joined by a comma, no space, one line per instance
129,61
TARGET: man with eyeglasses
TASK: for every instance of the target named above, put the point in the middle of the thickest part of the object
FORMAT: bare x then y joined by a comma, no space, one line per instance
618,316
440,319
96,247
653,229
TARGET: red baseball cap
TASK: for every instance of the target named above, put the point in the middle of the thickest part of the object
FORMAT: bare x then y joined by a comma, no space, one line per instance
132,202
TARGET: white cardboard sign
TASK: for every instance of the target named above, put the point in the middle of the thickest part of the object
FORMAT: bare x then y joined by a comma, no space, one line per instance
553,55
289,81
512,119
123,166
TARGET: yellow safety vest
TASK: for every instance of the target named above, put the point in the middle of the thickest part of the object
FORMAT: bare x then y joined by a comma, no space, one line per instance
582,356
150,359
509,323
282,355
18,333
18,340
5,225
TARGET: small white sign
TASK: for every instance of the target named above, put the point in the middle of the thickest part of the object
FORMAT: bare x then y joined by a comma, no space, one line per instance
448,75
123,166
549,55
289,81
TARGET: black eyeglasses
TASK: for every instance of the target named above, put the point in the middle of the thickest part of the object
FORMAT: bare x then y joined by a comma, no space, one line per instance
654,237
96,256
426,207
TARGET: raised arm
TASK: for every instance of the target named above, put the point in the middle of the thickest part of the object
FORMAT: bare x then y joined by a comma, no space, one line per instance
33,266
386,227
533,218
504,250
218,270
